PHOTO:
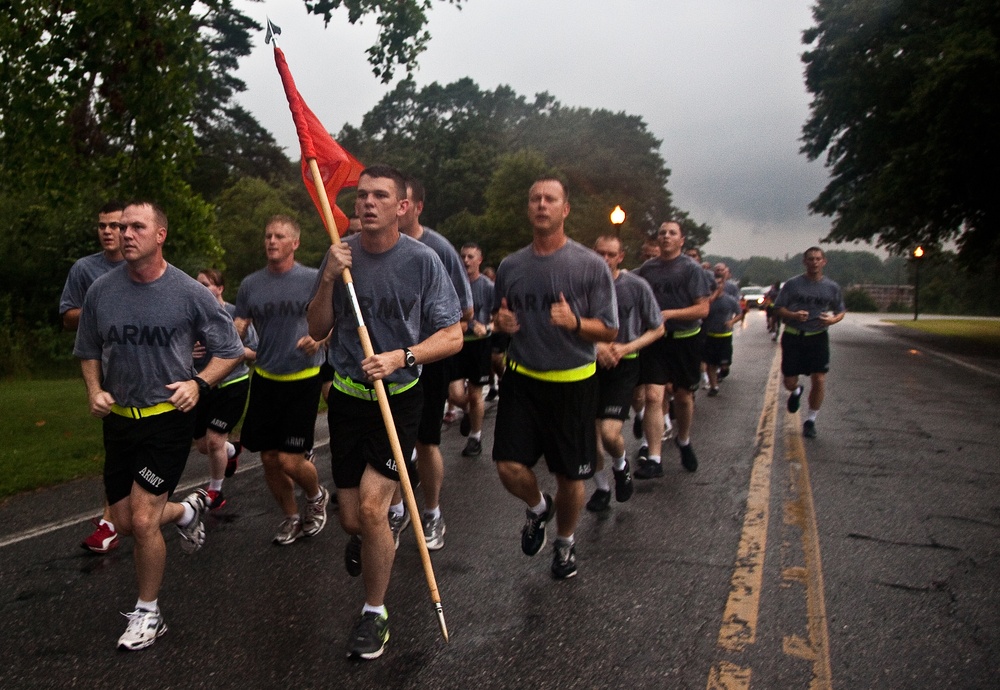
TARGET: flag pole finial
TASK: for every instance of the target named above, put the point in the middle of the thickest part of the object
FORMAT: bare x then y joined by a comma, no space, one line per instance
273,30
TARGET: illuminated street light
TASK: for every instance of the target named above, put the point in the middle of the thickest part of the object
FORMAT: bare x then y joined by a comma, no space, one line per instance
918,254
617,218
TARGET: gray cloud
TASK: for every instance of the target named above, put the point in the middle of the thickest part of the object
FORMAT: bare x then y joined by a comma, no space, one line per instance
718,81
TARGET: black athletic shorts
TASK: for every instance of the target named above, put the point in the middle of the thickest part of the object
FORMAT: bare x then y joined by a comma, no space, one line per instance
473,362
718,351
803,355
672,360
150,452
281,415
434,378
326,372
358,437
557,420
220,410
616,386
499,342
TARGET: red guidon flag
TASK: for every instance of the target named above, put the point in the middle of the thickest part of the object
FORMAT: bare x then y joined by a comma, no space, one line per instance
338,168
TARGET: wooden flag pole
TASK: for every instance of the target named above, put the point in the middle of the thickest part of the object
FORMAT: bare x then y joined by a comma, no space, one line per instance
383,402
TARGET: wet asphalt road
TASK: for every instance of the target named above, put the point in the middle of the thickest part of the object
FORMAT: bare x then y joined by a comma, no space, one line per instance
904,486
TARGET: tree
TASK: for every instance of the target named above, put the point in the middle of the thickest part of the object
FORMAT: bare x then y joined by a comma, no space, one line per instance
401,37
906,102
469,145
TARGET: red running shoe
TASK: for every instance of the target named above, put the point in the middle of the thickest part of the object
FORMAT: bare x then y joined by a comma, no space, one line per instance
103,539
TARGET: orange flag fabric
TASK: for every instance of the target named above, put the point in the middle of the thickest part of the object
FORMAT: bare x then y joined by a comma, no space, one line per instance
338,168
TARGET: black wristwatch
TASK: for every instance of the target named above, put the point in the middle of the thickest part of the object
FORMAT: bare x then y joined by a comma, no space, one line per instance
411,360
203,387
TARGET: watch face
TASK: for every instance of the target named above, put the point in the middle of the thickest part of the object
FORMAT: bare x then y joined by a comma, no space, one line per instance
411,360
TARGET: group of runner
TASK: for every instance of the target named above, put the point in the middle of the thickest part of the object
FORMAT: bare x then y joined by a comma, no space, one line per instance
166,360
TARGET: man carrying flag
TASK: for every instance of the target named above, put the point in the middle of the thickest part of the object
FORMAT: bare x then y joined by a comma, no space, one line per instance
413,314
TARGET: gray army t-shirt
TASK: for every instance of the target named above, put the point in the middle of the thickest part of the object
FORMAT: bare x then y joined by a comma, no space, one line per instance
452,265
677,284
637,308
482,301
144,333
249,340
276,303
815,296
405,295
723,308
82,275
531,283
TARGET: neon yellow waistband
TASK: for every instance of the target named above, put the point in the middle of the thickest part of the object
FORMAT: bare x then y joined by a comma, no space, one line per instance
348,386
631,355
796,331
229,383
677,335
140,412
557,376
720,335
294,376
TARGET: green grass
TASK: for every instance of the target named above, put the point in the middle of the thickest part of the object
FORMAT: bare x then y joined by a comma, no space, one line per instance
48,436
980,331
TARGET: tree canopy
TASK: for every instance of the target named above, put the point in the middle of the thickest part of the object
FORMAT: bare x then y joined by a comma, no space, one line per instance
478,151
906,99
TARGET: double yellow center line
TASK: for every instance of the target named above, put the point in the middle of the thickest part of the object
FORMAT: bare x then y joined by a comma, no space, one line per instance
738,631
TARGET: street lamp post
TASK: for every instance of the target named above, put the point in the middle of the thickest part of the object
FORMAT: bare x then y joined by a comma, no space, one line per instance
918,254
617,218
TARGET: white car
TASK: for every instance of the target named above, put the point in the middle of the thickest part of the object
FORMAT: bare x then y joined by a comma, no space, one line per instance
754,295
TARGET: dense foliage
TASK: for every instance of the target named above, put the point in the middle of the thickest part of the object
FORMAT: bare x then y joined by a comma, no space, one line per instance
906,100
477,153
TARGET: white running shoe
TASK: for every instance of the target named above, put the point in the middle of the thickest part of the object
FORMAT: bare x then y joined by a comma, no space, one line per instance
143,629
314,517
193,536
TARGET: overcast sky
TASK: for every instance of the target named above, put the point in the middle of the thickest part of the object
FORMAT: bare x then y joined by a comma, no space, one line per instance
718,81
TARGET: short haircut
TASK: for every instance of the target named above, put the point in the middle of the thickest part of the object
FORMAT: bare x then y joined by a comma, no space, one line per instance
610,238
472,245
680,226
388,172
554,178
111,206
214,276
416,188
159,215
814,249
282,219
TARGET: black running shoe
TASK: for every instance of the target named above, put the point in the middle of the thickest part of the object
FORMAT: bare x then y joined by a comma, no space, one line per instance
369,636
599,502
473,448
712,392
688,458
623,484
637,427
643,453
649,469
793,400
352,556
809,429
533,532
564,561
